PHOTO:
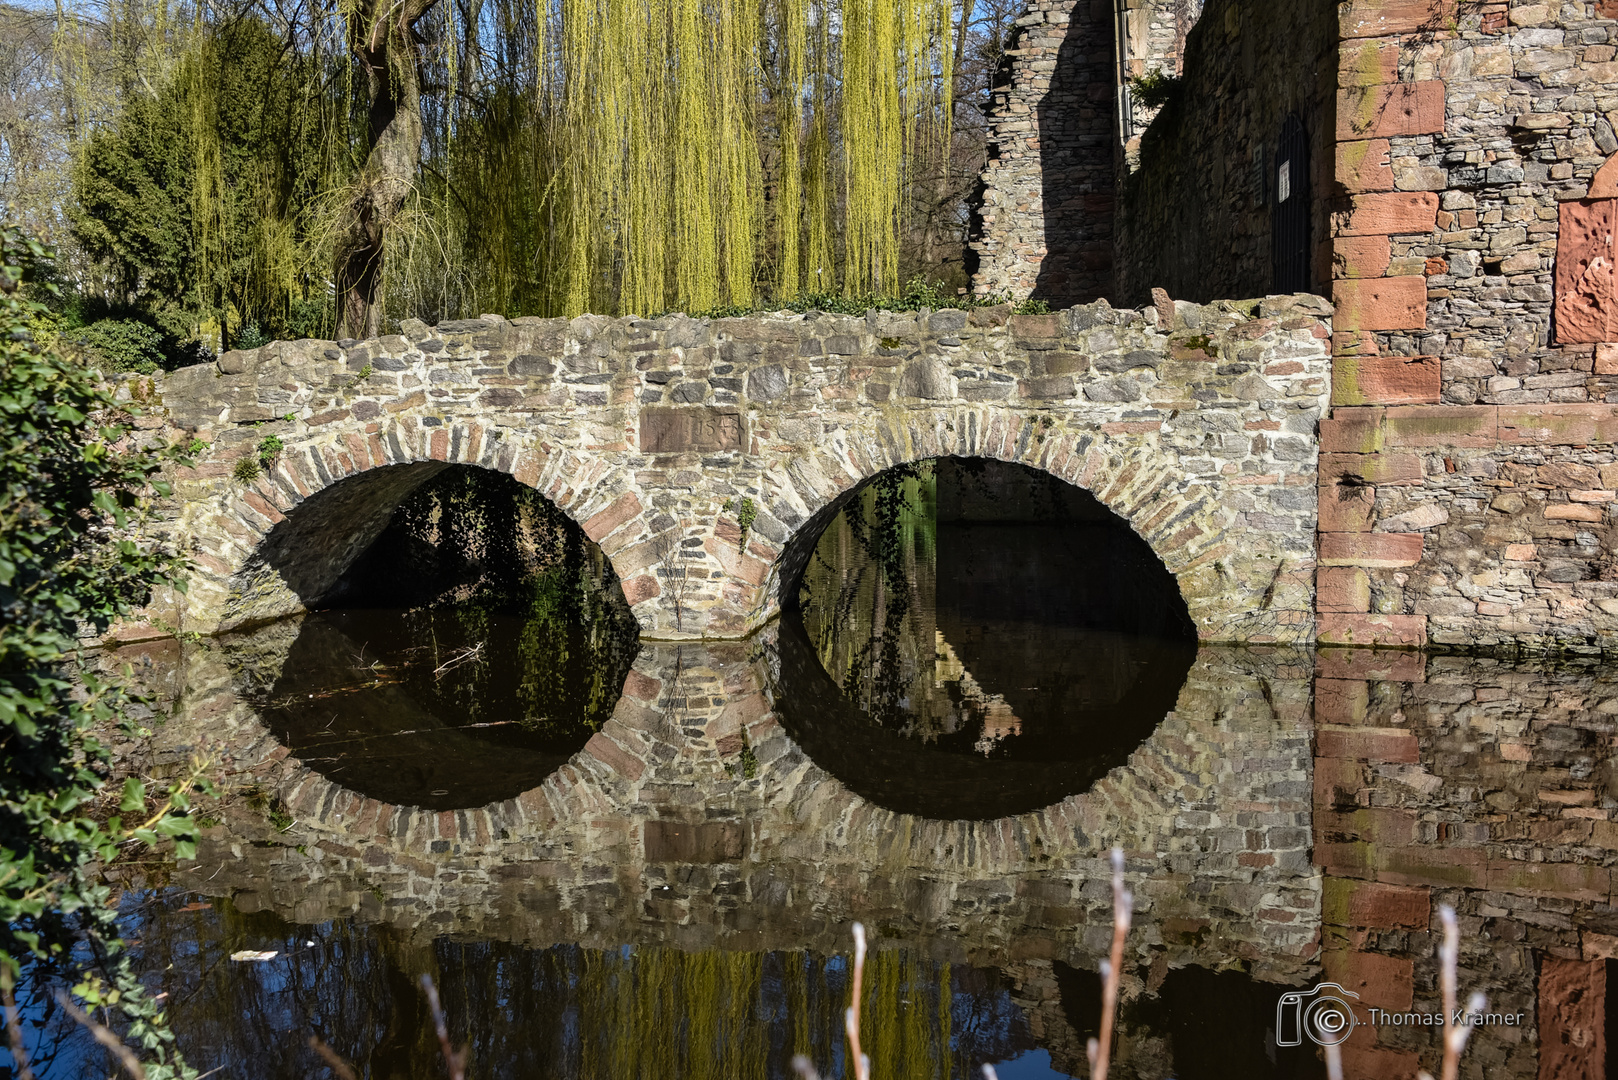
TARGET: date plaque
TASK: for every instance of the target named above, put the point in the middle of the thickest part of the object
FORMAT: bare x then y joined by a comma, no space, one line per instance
671,430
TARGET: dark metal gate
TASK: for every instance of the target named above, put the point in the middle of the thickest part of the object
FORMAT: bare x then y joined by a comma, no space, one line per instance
1289,216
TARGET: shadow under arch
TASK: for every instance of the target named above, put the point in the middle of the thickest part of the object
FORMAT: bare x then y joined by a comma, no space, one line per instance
1050,643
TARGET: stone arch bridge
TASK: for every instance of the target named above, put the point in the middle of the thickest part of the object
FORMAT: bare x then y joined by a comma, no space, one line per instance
1196,424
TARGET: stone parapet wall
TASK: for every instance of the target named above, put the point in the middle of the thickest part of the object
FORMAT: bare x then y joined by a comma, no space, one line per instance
1195,218
1195,424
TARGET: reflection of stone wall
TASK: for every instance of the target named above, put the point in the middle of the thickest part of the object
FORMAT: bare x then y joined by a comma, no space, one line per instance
654,833
1482,785
1194,424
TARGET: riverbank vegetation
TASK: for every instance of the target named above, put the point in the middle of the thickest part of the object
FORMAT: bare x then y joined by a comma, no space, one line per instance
74,484
224,174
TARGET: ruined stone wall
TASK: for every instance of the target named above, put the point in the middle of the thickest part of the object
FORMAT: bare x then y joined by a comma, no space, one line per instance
1195,218
1195,424
1044,225
1479,514
1058,144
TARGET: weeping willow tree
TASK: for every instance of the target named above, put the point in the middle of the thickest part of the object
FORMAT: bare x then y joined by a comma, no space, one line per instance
460,156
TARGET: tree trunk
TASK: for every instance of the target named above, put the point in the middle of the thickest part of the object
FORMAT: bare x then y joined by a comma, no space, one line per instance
383,38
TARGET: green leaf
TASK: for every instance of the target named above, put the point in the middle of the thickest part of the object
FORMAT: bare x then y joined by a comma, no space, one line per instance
134,796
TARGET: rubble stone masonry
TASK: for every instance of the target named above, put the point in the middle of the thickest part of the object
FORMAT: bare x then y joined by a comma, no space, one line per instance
1195,424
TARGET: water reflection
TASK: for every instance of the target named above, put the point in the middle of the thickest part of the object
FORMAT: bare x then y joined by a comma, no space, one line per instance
510,656
975,638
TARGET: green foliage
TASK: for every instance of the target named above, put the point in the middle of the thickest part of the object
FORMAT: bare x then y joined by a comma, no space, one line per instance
746,511
198,202
269,448
1155,89
122,345
251,337
1032,307
73,490
247,470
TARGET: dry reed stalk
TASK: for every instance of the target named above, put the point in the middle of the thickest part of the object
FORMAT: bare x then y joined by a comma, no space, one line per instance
126,1057
13,1028
343,1069
454,1060
1455,1035
851,1019
1123,904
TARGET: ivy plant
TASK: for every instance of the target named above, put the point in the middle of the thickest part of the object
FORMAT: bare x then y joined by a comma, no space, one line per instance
75,487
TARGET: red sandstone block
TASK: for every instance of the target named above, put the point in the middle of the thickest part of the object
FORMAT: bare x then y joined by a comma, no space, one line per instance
439,445
1387,214
640,589
1376,112
1444,425
1365,166
1381,18
1367,63
1383,982
1352,431
614,756
1367,744
1559,425
1342,588
624,508
1385,380
1398,303
1387,631
1361,256
1341,701
1364,664
1391,469
1432,864
1606,358
1346,508
1571,511
1379,550
1571,880
1364,1061
1375,905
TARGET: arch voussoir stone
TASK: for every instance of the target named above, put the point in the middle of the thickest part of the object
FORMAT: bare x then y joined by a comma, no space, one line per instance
630,427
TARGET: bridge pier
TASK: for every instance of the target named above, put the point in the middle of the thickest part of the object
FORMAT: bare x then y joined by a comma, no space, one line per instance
1196,424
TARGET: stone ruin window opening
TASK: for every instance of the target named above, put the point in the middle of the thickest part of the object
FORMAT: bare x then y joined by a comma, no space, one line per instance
1291,208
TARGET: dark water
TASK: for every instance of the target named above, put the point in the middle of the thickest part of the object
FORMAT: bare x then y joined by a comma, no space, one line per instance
984,686
977,639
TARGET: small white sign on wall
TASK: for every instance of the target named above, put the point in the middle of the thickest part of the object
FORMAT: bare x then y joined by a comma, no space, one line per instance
1283,181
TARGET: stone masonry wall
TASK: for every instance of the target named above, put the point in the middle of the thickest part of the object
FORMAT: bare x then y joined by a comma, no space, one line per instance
1480,513
1195,424
1057,143
1195,218
1044,225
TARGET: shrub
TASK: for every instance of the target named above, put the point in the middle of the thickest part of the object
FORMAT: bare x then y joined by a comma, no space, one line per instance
122,345
73,495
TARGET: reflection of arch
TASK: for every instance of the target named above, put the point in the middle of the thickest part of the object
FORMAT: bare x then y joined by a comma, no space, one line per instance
1586,250
583,856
